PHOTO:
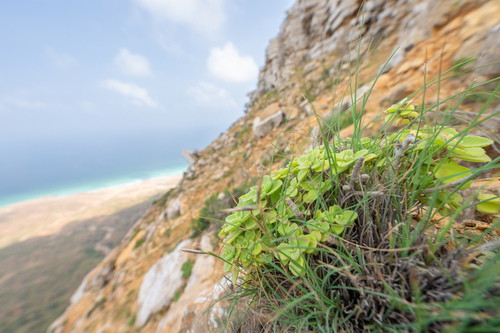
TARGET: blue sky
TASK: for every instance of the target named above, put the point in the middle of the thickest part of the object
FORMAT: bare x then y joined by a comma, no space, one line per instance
78,66
80,75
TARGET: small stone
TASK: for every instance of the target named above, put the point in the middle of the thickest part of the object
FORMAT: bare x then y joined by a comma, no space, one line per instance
470,224
482,226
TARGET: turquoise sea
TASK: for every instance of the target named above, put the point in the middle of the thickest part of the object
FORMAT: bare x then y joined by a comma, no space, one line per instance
96,184
55,167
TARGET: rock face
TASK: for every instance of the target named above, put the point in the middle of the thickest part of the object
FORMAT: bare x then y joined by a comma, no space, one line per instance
315,28
262,127
161,283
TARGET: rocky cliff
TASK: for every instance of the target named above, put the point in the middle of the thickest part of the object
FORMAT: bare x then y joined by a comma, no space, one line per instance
148,283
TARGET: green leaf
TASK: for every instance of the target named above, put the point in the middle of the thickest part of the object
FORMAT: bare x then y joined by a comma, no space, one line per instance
492,206
257,249
302,174
310,196
234,278
276,185
489,197
475,141
471,154
297,266
337,229
284,253
488,207
449,170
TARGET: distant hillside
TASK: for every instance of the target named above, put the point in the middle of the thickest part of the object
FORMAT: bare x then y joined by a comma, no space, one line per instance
39,275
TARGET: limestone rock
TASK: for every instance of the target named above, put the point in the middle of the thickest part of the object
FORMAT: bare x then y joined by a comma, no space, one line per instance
173,210
189,156
77,296
261,128
200,282
490,55
160,283
190,173
199,318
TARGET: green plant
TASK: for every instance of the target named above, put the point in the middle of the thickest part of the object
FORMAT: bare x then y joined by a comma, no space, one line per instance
332,231
178,294
162,201
287,221
138,243
131,321
186,268
98,305
490,204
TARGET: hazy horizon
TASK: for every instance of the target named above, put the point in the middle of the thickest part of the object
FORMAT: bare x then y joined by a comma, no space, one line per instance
92,93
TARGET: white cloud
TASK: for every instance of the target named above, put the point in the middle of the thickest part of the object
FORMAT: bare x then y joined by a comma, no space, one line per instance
206,16
226,63
138,95
132,64
59,59
210,95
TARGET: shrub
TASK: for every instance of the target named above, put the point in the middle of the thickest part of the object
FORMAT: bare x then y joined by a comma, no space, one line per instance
186,268
178,294
331,241
138,243
131,321
348,168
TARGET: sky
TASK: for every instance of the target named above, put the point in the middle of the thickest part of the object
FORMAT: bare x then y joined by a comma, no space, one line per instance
84,82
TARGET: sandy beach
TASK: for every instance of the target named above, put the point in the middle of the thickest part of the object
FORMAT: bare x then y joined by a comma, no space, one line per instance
47,215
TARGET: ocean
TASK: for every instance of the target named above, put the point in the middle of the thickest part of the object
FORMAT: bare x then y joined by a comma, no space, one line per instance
32,169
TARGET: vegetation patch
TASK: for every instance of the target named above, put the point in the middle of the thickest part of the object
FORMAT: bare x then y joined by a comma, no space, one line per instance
178,294
163,200
187,268
138,243
343,238
99,305
131,321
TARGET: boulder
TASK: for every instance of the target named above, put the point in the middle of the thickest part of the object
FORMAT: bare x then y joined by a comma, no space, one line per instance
189,156
489,55
261,128
173,210
160,283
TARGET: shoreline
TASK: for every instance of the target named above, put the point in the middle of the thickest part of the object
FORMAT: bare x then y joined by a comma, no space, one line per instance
49,214
81,188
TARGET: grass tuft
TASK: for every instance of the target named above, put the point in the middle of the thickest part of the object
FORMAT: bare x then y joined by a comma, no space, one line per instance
344,237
